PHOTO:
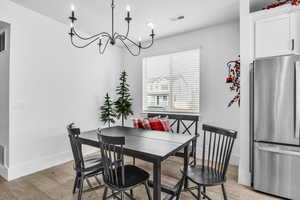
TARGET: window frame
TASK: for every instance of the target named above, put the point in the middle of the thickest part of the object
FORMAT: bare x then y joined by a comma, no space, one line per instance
170,111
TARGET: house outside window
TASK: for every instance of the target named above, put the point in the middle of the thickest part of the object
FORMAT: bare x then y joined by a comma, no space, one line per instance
171,83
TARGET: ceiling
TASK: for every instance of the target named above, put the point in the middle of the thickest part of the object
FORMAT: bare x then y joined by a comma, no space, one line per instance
95,15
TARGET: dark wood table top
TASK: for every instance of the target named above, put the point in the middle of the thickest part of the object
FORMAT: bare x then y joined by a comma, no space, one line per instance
144,143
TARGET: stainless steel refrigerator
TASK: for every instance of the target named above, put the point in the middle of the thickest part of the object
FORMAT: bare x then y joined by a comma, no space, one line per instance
276,126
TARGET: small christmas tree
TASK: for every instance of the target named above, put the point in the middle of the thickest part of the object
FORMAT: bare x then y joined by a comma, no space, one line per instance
123,103
107,111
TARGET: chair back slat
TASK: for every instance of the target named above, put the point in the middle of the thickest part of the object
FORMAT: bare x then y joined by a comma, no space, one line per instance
209,148
76,146
204,147
221,153
113,156
213,149
183,124
216,154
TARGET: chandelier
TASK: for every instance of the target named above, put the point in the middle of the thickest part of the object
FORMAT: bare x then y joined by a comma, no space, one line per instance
105,38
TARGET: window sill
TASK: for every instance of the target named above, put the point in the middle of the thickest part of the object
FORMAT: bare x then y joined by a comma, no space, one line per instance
174,113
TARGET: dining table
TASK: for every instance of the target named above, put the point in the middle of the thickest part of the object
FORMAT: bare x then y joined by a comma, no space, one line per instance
148,145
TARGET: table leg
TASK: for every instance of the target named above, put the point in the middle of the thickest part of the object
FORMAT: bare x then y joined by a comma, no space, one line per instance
186,164
157,180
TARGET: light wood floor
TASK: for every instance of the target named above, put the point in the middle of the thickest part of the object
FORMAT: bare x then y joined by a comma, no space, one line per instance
56,183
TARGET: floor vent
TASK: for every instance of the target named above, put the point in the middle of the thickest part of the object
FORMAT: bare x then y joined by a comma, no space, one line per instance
2,155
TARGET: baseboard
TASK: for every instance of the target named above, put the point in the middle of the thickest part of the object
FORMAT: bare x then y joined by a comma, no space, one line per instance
40,164
3,172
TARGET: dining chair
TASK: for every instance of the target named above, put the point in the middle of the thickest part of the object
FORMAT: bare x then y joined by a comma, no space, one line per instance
85,168
183,124
216,152
118,177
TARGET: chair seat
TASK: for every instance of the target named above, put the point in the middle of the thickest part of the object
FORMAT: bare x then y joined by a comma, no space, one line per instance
205,176
180,153
133,176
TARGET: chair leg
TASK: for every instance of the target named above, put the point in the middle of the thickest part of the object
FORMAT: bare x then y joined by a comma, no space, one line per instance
199,192
104,194
148,191
133,160
80,187
204,191
75,184
224,192
131,192
180,187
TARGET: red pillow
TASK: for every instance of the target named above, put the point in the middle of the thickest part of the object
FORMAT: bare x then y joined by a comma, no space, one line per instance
166,124
138,123
156,124
146,123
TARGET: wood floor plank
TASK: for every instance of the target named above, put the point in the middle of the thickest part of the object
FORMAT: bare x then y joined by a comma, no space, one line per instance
56,184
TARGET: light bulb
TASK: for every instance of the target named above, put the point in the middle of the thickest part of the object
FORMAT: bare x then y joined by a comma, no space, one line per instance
72,25
128,8
140,39
72,7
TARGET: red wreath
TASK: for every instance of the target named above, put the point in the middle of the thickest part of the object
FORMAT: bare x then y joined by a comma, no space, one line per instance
282,2
234,71
295,2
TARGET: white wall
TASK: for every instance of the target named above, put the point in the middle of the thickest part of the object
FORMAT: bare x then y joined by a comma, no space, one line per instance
4,96
51,84
218,45
244,174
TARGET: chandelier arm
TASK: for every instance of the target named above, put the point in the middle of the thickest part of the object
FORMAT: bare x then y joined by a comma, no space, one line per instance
147,47
132,53
122,38
116,35
81,47
103,50
91,37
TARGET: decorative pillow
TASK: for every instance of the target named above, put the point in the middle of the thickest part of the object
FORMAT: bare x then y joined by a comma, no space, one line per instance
146,123
165,124
156,124
137,123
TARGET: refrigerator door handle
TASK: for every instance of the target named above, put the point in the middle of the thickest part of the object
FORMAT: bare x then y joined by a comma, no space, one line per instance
279,151
296,101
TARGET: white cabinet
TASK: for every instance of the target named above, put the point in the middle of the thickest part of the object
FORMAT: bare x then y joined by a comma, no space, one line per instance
277,35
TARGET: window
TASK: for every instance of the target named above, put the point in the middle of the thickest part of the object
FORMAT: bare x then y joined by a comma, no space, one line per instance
171,83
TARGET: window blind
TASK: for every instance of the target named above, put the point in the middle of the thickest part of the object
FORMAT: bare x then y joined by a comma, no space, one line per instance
171,82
